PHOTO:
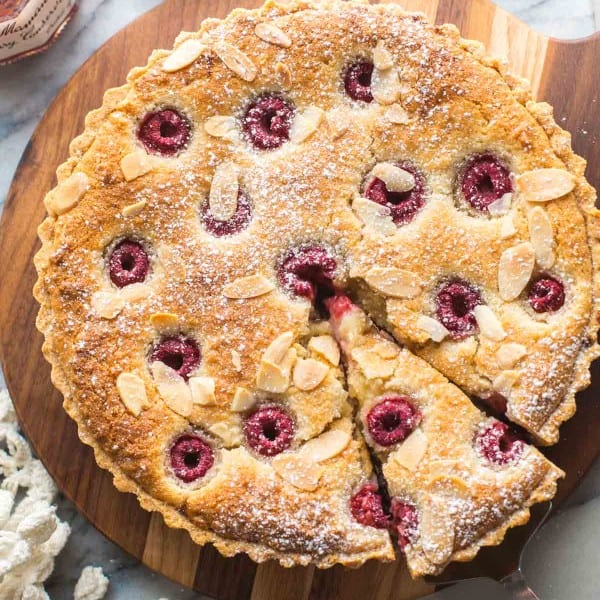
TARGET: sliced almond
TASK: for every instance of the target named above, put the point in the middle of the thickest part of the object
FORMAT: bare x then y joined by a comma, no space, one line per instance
172,388
306,123
67,194
298,470
505,381
224,189
236,60
396,283
236,360
385,349
229,433
135,164
325,346
284,75
164,321
133,210
135,292
202,390
436,331
542,236
243,400
382,57
489,324
182,56
278,348
395,178
509,354
385,86
107,304
338,122
397,114
543,185
507,227
436,531
371,364
221,126
275,378
514,270
248,287
411,451
326,446
501,206
376,217
272,34
132,389
309,373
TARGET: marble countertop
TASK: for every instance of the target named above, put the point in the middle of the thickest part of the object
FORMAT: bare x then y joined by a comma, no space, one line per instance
561,562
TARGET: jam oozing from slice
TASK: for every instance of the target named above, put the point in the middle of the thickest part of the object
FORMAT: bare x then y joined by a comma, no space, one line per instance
357,81
405,522
403,205
235,224
392,420
180,353
128,263
455,302
164,132
191,457
367,507
338,306
546,294
269,431
267,121
484,180
497,444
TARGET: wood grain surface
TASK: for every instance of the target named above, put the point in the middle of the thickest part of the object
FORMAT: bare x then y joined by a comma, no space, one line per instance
563,73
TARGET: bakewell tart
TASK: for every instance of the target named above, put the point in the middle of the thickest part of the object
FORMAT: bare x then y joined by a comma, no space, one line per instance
205,238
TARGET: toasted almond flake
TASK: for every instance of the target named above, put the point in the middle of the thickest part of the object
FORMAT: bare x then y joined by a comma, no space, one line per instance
488,323
509,354
396,283
306,123
182,56
298,471
135,292
397,114
132,389
371,364
382,57
338,122
135,164
133,210
395,178
236,360
385,86
325,346
437,332
164,320
236,60
436,531
67,194
385,349
243,400
277,349
107,304
501,206
172,388
446,482
284,75
248,287
543,185
221,126
275,378
542,236
326,446
202,390
410,453
224,188
507,227
376,217
309,373
230,434
514,270
272,34
505,381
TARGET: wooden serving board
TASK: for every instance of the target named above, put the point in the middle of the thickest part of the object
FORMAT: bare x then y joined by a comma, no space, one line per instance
563,73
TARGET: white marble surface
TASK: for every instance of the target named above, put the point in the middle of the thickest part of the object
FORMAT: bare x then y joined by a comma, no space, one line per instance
561,562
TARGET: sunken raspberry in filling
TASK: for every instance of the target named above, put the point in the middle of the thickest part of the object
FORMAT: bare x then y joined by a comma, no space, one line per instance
267,121
128,263
269,431
164,132
405,522
367,507
497,444
392,420
403,205
455,302
484,180
237,223
180,353
191,457
357,81
546,294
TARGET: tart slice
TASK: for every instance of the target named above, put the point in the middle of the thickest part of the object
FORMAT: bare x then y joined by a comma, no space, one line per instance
457,479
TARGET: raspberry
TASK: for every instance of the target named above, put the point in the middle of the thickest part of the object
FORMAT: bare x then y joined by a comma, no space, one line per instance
497,444
484,180
338,306
269,430
164,132
237,223
357,81
128,263
405,522
455,302
547,294
367,508
392,420
179,353
191,457
267,122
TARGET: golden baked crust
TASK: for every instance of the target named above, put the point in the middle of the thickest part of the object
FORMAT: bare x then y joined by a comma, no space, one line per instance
457,102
